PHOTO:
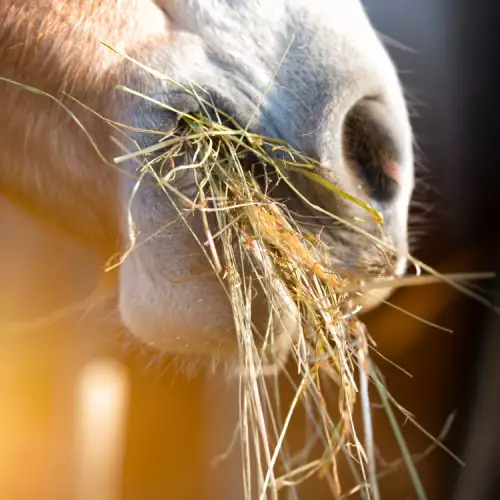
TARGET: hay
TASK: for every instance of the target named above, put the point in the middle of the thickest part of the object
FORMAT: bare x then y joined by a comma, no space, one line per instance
253,241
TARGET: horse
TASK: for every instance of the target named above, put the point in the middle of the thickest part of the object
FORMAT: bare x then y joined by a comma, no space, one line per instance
312,74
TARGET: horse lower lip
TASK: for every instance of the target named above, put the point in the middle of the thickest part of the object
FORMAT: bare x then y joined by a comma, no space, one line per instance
369,301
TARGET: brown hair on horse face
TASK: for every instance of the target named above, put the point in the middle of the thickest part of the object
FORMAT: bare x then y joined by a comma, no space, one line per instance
46,163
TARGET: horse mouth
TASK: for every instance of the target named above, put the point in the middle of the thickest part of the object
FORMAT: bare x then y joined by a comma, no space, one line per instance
351,254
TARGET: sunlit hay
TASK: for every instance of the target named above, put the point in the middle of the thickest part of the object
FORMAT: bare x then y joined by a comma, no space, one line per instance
252,240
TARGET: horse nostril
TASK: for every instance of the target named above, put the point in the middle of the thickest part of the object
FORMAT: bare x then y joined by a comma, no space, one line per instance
371,148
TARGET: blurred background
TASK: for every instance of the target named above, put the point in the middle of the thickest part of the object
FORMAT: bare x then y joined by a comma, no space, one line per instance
173,425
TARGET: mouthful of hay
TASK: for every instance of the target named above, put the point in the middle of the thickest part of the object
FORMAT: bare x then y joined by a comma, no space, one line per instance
255,241
259,244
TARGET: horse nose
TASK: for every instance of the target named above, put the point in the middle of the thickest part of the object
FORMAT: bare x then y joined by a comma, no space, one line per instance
352,119
366,150
373,150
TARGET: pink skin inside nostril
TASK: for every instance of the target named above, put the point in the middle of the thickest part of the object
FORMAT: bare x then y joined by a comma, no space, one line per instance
392,170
